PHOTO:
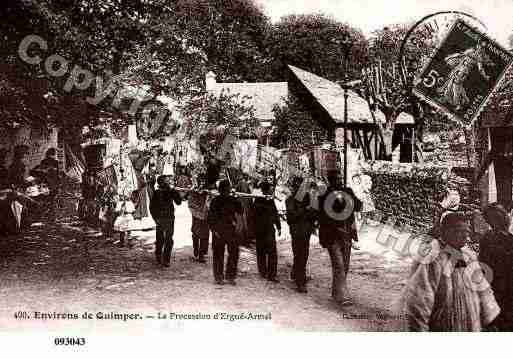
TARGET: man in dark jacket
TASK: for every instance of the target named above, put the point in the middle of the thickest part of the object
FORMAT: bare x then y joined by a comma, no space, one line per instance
163,212
8,222
4,174
221,220
337,229
18,169
496,251
300,218
266,218
50,166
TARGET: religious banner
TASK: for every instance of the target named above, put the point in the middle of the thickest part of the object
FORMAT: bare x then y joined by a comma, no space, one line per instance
268,158
245,155
107,176
464,71
325,161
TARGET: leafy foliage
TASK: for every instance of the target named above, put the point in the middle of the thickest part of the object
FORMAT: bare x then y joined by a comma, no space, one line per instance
210,118
385,48
316,43
168,46
229,34
295,126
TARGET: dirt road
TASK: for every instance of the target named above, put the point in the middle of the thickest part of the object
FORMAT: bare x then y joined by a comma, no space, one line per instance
64,268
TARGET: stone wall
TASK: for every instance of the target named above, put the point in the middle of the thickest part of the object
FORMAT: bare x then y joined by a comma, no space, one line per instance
408,193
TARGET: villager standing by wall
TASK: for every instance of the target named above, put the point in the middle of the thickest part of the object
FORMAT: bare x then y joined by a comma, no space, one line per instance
266,219
221,220
8,223
337,229
300,218
163,212
18,169
496,251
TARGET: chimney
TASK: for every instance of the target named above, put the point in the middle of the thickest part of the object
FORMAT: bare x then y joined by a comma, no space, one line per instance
210,81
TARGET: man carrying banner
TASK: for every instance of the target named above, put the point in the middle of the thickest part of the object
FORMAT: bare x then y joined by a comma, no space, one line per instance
300,218
221,220
337,229
266,218
163,212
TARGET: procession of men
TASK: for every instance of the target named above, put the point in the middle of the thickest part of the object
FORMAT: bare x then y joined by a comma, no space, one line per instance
219,218
222,219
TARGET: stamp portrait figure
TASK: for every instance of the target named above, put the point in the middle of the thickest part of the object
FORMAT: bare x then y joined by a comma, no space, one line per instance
453,91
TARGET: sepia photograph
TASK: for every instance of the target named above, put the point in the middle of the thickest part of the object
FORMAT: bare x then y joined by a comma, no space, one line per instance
186,169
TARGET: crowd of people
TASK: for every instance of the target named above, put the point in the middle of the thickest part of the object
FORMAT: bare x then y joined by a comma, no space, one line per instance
23,191
459,290
442,293
223,216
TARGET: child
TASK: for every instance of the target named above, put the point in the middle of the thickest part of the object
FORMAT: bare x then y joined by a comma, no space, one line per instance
108,202
125,220
443,294
362,185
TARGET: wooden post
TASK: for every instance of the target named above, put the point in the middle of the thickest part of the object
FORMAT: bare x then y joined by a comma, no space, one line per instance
467,148
346,95
501,141
413,141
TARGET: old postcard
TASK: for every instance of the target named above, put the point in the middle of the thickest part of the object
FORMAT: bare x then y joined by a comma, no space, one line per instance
175,171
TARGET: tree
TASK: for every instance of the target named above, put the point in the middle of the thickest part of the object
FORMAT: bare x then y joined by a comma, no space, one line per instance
295,127
315,43
393,96
229,33
210,118
388,83
167,46
106,31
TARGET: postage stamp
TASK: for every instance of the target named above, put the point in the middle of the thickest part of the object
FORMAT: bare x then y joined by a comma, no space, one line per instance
463,72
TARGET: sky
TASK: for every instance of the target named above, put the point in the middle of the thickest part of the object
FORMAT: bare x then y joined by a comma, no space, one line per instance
369,15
